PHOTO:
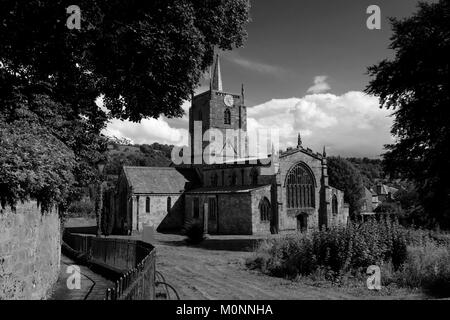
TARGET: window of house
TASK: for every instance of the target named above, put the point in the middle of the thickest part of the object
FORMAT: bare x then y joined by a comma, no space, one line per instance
264,210
214,180
254,176
233,179
242,177
169,204
227,116
196,208
212,204
223,178
147,204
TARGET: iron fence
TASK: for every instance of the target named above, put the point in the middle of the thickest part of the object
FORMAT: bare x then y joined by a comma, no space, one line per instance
134,259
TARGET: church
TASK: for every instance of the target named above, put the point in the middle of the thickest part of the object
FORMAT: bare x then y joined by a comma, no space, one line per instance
243,194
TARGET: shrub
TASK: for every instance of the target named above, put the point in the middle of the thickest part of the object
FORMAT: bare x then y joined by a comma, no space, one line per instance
335,252
408,258
81,209
427,267
194,232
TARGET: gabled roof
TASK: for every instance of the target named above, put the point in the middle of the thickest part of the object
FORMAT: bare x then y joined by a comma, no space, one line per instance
159,179
307,151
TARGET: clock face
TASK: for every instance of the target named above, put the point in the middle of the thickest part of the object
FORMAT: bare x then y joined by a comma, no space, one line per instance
228,100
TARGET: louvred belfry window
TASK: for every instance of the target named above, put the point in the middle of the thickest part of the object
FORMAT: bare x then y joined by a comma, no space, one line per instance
300,188
227,117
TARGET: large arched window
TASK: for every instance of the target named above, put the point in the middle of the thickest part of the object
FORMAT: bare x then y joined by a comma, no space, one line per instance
227,116
264,209
300,188
334,205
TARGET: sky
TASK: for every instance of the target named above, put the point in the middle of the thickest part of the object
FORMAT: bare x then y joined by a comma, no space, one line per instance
304,68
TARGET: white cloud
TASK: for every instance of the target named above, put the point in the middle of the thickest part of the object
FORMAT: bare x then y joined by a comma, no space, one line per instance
260,67
148,131
320,85
351,124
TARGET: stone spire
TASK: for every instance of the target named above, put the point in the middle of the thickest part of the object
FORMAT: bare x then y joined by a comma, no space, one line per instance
299,141
242,94
324,152
216,78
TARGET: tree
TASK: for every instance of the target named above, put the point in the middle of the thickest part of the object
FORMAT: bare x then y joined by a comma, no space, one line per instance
415,85
344,176
143,57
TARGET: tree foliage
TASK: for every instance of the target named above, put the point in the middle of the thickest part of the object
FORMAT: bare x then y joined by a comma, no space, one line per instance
415,85
146,57
33,163
143,57
344,176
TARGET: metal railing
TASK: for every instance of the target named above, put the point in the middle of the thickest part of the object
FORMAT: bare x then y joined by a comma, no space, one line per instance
133,259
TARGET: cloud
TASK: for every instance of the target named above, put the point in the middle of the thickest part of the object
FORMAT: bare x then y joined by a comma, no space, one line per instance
148,131
162,130
320,85
256,66
351,124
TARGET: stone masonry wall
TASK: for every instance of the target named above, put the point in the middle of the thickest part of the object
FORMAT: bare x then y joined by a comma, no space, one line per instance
288,221
258,226
29,252
159,217
234,212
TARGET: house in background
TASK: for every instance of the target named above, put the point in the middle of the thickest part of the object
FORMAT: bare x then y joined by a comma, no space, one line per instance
385,192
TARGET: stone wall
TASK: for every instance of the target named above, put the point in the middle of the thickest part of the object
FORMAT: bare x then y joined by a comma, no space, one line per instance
341,217
160,216
258,226
29,252
288,221
234,215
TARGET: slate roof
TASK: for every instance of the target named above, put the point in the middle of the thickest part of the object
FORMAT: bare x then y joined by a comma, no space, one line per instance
160,179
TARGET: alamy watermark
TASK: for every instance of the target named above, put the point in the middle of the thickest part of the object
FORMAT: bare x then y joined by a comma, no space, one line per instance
374,280
374,20
74,279
236,146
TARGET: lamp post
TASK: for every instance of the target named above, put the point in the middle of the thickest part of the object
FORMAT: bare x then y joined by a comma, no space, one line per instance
100,166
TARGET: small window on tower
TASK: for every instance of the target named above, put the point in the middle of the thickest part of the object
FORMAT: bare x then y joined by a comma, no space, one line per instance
227,116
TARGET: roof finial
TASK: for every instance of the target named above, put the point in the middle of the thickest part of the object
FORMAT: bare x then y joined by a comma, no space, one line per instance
216,82
299,140
324,152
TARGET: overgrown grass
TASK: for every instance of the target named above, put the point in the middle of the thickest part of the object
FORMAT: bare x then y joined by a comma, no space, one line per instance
410,259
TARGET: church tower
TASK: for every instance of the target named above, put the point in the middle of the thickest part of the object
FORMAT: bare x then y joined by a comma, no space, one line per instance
217,109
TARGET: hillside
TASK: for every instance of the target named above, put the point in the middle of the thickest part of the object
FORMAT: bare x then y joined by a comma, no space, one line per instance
371,170
154,155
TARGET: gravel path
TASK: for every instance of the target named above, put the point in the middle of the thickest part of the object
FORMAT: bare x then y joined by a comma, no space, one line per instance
199,273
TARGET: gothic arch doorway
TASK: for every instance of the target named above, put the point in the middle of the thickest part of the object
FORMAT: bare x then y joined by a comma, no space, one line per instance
302,222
